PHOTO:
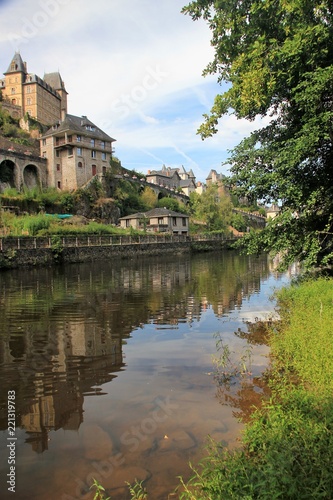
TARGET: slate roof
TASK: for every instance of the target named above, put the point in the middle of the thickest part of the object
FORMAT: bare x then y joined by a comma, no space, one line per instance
186,183
54,80
164,173
19,64
155,212
78,124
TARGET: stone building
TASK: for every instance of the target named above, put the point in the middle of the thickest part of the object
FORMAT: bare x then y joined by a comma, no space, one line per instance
44,99
76,150
173,178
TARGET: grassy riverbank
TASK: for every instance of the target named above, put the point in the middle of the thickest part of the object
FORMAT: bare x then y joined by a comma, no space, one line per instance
287,448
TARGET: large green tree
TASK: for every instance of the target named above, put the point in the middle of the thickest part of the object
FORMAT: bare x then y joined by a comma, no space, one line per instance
277,58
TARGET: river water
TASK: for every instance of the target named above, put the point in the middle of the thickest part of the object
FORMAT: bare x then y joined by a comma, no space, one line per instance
111,364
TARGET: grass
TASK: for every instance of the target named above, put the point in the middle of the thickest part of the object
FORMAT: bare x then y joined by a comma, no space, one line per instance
287,447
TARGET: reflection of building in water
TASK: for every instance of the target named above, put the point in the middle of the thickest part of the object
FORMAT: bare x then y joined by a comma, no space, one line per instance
60,367
52,412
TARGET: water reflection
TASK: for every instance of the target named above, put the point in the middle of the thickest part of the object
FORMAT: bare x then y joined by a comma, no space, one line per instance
64,330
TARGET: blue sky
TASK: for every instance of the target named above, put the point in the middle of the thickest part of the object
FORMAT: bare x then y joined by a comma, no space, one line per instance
134,67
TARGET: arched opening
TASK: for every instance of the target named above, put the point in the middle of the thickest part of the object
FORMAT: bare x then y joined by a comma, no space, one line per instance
30,176
7,175
160,195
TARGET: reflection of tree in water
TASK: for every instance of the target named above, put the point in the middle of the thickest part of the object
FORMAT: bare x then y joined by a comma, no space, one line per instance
245,397
257,333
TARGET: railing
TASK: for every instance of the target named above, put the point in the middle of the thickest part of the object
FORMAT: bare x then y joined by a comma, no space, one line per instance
30,243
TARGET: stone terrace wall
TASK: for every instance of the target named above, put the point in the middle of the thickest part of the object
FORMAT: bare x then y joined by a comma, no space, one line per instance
18,252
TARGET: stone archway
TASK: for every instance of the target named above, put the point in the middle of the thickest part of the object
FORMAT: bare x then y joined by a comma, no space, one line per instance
7,175
30,176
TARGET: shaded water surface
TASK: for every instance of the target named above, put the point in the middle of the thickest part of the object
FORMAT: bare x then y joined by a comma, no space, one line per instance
110,365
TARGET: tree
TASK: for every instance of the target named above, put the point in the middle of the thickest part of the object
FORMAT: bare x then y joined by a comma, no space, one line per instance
212,207
148,198
170,204
276,56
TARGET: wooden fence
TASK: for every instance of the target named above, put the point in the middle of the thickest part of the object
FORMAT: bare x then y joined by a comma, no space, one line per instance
29,243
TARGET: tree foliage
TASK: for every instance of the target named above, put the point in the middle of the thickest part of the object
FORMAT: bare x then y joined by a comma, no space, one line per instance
277,57
213,207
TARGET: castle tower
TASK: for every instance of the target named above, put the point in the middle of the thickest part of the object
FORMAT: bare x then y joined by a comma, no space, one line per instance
42,99
14,79
55,81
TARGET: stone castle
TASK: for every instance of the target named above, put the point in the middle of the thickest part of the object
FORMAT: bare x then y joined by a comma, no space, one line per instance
73,149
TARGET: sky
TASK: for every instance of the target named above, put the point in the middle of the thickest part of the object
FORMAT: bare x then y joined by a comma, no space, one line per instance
134,68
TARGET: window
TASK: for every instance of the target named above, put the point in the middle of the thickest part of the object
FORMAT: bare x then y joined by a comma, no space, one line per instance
44,154
59,185
92,142
28,101
103,155
58,167
28,89
102,144
104,170
184,221
160,220
79,151
174,221
93,169
93,153
80,164
70,151
57,153
69,138
13,90
44,142
78,138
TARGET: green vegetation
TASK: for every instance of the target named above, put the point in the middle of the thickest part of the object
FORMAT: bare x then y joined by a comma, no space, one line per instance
276,58
213,207
48,225
9,127
287,447
137,491
171,204
37,199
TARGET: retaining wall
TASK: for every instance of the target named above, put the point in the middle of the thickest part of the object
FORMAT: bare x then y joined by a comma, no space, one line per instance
24,252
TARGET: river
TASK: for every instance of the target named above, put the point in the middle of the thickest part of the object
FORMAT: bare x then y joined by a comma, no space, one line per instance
108,369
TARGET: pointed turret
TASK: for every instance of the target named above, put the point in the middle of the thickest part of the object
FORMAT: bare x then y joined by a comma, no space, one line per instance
16,65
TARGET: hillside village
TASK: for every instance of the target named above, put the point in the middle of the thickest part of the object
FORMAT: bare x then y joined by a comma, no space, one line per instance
74,148
54,149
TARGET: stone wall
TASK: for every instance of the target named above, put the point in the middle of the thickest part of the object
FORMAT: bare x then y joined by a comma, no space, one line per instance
13,258
18,252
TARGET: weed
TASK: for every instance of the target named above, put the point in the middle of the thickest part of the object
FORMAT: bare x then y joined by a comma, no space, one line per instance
137,491
99,493
228,371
